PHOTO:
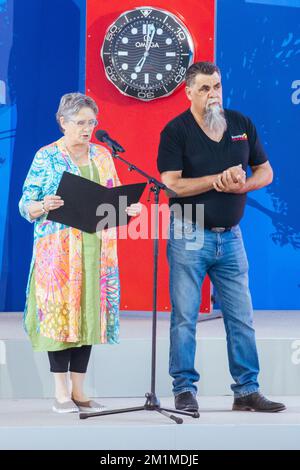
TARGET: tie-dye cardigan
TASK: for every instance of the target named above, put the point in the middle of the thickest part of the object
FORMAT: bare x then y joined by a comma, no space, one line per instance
57,251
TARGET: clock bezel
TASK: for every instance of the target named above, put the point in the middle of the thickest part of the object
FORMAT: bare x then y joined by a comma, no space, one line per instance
188,39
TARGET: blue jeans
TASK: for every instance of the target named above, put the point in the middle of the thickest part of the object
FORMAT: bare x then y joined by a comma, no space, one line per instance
224,259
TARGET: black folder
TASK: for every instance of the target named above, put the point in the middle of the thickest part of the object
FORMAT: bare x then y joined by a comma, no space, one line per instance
82,198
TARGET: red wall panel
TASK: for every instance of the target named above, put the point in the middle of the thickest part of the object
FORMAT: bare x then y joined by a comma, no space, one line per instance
137,125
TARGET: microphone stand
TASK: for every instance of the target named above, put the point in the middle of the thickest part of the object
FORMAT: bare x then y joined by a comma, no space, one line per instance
152,402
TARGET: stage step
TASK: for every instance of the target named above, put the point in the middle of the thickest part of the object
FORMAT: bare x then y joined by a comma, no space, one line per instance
30,424
124,370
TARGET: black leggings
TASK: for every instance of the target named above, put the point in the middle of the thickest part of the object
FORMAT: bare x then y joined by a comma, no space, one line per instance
72,359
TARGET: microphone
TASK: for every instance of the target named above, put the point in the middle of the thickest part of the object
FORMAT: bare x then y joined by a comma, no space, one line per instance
103,136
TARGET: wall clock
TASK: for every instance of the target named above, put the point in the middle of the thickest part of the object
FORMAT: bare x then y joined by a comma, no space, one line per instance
146,52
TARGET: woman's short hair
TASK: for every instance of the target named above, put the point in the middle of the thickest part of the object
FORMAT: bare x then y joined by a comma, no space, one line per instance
206,68
72,103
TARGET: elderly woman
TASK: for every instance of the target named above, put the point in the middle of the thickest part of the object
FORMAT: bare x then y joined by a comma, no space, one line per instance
73,287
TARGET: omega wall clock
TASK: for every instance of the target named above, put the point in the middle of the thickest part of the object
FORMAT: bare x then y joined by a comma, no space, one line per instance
146,52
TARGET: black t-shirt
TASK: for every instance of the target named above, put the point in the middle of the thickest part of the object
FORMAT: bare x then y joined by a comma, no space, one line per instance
185,146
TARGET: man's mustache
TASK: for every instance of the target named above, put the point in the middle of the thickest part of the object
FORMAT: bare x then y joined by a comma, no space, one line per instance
213,101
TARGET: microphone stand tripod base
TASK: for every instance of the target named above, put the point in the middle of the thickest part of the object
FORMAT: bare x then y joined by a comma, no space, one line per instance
152,404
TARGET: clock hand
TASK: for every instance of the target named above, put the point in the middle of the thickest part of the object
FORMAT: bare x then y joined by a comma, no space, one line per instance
148,43
149,40
140,63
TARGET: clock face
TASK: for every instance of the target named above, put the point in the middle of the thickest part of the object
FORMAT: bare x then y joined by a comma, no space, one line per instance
146,53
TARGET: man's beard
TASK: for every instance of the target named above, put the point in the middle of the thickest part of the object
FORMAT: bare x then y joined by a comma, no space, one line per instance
214,118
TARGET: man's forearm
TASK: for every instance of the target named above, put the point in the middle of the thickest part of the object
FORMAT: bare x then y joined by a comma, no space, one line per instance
260,178
185,187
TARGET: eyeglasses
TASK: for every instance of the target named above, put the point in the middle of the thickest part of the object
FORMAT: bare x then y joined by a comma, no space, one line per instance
82,124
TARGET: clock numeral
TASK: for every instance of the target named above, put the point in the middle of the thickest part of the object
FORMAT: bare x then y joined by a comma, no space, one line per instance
148,28
180,75
111,74
111,32
180,34
145,95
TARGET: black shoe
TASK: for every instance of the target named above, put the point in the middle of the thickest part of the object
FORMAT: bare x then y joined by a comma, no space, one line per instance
186,401
256,402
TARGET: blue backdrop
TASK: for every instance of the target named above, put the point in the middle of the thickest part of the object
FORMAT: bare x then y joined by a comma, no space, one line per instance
258,51
42,43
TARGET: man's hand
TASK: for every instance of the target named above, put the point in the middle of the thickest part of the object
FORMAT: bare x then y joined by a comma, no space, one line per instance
231,180
236,173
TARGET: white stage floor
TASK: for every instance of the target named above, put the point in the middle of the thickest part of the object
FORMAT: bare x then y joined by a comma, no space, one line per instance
27,421
30,424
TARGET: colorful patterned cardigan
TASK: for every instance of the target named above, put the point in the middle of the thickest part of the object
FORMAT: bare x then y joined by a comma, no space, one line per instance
57,253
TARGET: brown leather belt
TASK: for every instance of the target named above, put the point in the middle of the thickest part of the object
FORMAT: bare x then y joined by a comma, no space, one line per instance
220,229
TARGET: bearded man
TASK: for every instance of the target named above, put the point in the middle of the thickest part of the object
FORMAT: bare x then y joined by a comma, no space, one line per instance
203,157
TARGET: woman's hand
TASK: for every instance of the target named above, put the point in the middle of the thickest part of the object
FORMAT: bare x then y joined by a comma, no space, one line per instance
38,208
134,209
52,202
